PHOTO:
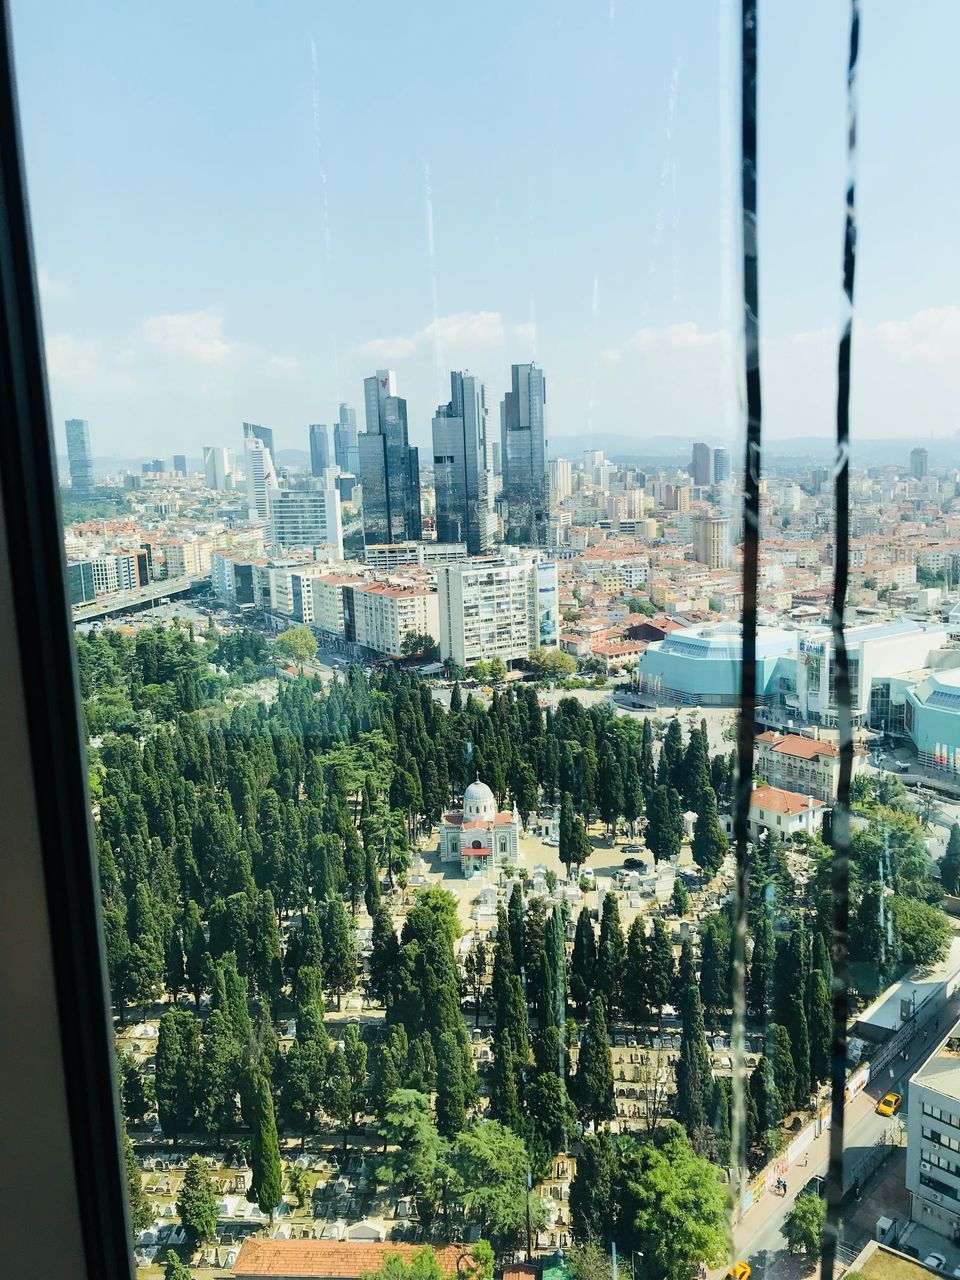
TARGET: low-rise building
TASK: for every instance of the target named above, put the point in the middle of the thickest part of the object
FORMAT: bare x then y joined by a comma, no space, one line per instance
933,1140
479,836
803,764
782,812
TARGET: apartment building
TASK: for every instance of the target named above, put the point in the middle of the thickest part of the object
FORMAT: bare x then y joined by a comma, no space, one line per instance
378,615
933,1140
406,555
498,608
803,764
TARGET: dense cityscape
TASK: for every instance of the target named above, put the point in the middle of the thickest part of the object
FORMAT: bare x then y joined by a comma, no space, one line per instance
413,782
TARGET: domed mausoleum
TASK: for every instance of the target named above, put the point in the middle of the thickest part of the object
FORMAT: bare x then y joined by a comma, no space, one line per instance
478,836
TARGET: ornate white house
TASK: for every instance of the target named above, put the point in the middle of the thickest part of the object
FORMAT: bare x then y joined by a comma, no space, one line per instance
478,836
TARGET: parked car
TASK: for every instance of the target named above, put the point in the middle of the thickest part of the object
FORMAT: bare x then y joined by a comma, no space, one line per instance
815,1186
632,863
935,1261
552,841
740,1271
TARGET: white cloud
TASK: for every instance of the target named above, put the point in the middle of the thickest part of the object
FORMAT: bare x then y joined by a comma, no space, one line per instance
72,359
466,329
674,337
931,336
526,332
282,364
196,334
50,287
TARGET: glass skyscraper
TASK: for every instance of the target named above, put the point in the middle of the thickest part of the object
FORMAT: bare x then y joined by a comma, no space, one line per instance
253,431
389,468
345,440
523,454
319,448
463,466
79,457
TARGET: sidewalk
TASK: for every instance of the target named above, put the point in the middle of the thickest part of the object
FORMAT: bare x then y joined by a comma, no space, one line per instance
766,1214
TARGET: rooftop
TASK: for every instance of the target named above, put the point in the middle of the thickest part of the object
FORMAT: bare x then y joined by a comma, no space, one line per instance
779,801
334,1259
941,1071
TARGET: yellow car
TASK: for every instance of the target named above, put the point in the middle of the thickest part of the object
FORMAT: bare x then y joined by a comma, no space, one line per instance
740,1271
889,1104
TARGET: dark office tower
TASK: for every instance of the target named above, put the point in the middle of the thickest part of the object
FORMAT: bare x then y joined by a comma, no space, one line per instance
462,466
918,464
79,458
701,468
721,466
495,452
180,464
388,468
319,448
345,440
523,454
253,431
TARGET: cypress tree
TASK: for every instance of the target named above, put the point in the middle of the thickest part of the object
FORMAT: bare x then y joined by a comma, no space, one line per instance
694,1079
660,967
583,961
515,921
781,1059
769,1106
504,1089
594,1079
634,986
451,1112
709,841
266,1186
820,1028
760,978
197,1203
611,952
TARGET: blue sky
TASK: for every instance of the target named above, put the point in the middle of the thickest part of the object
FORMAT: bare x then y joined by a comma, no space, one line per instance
233,205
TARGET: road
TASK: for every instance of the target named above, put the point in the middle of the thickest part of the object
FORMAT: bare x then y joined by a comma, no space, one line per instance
758,1237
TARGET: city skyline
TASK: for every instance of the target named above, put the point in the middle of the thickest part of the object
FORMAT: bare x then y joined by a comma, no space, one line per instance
628,300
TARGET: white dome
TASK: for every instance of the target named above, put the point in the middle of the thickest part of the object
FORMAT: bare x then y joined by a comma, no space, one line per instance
478,802
478,793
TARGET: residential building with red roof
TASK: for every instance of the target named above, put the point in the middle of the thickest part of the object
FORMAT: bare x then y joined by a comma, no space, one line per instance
782,812
804,764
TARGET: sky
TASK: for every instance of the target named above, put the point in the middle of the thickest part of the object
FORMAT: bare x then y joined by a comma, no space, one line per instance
241,209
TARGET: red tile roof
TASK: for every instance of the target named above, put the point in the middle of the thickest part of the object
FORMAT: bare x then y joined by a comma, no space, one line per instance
779,801
326,1259
794,744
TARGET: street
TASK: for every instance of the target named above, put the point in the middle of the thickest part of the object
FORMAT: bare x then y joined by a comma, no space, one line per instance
758,1237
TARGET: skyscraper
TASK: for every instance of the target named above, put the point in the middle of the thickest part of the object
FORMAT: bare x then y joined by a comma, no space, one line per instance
462,466
711,540
523,453
918,463
79,458
345,440
260,478
180,464
216,466
388,468
721,466
319,448
253,431
306,518
701,467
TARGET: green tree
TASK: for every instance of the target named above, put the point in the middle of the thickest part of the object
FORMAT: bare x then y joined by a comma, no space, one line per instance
298,1184
175,1268
635,996
412,1143
803,1226
492,1165
219,1074
664,822
781,1060
594,1080
660,967
451,1112
673,1208
820,1022
141,1215
197,1203
266,1183
575,847
950,863
134,1093
583,961
922,934
709,844
339,949
592,1192
552,664
694,1079
177,1070
768,1109
680,897
760,976
550,1111
416,644
298,644
611,954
